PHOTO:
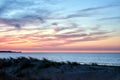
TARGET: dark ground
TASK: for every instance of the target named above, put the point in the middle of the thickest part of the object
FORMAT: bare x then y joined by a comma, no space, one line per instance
33,69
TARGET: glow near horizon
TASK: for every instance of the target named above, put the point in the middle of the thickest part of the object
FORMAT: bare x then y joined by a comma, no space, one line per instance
69,25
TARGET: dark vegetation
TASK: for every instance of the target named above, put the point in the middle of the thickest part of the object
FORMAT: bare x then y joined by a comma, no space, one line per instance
34,69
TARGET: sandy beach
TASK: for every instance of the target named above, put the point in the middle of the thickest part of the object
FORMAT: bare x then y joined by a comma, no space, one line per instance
33,69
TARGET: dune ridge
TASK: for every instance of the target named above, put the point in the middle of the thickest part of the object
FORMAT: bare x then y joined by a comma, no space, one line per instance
34,69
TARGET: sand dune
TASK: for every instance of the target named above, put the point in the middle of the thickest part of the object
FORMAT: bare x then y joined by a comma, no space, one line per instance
34,69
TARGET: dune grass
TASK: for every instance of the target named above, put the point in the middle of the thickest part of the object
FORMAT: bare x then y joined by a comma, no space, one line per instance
30,68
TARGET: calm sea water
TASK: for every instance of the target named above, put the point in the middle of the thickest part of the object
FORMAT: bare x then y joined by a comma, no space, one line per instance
100,58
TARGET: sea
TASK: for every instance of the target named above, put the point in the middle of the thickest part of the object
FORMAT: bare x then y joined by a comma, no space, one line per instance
80,57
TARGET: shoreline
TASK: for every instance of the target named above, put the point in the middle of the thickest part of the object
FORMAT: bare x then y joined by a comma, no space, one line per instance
82,63
10,52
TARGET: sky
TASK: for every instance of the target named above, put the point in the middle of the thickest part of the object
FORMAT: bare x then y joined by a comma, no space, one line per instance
60,25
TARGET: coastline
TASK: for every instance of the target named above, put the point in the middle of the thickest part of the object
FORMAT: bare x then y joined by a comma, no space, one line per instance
34,69
10,52
83,58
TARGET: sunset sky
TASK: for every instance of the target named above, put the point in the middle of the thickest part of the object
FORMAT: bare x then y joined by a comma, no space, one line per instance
60,25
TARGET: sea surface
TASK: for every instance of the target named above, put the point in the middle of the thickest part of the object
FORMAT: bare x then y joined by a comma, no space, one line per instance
81,57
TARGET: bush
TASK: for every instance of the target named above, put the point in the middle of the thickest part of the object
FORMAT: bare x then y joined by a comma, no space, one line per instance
94,64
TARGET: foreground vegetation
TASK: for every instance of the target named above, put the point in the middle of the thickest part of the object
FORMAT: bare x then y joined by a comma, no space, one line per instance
33,69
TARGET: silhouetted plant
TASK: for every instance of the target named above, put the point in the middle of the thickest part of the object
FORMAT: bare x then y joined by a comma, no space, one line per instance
30,68
94,64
